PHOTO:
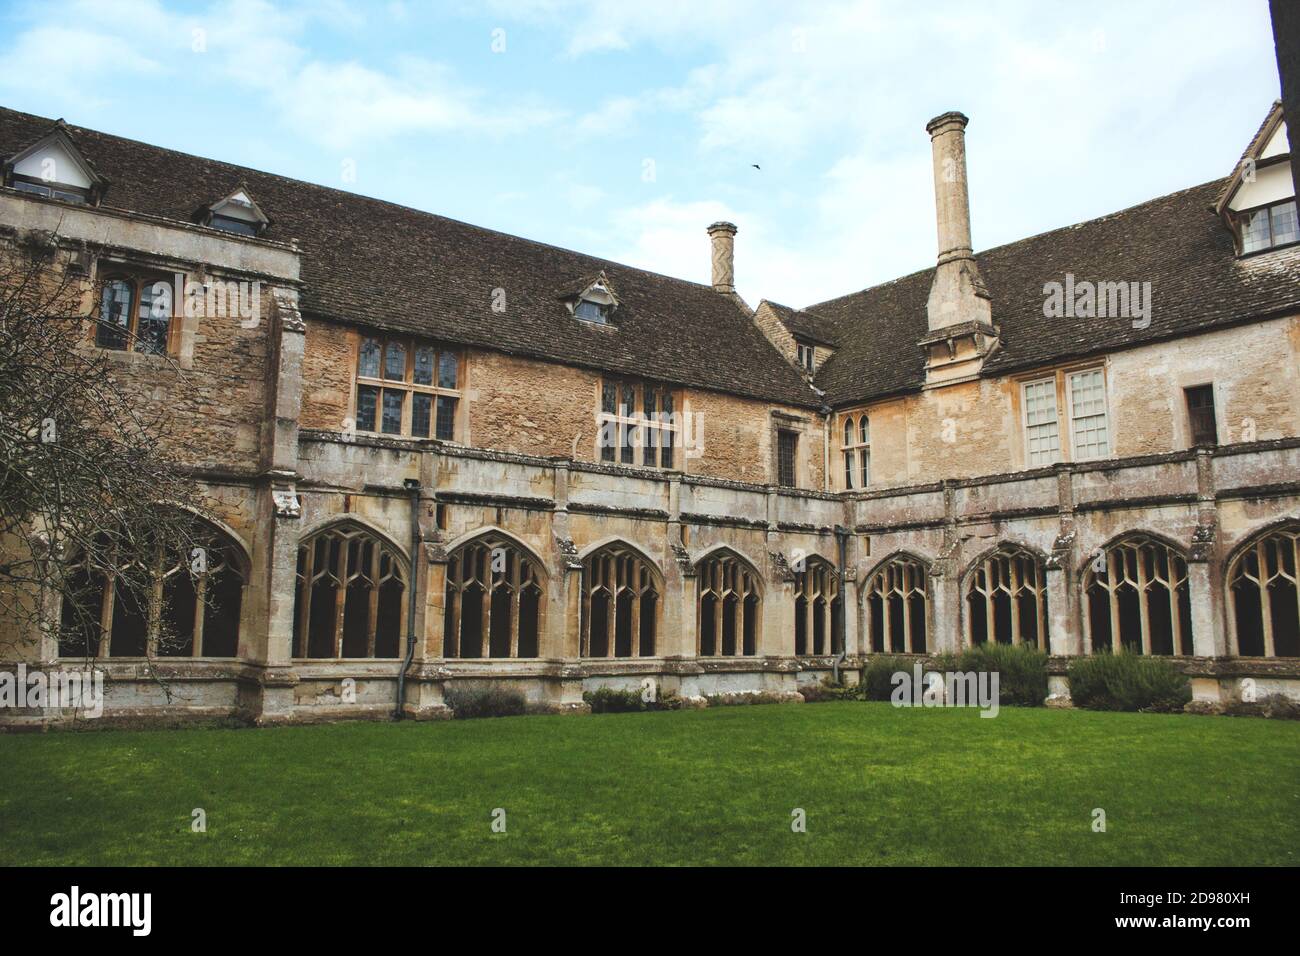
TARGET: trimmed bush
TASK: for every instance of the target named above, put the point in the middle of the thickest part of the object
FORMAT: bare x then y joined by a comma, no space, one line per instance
469,702
1128,682
1021,670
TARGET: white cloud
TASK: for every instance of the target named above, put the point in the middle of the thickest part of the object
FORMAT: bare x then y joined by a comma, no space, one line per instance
337,104
63,62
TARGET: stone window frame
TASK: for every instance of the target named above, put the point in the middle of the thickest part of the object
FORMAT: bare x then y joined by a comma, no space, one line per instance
723,575
626,437
622,573
139,279
1133,561
1250,568
1193,438
902,576
818,580
521,575
805,355
1001,571
855,448
1066,419
379,563
222,556
408,386
798,426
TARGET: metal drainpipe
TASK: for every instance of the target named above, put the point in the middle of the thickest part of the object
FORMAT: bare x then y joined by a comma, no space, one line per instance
413,489
842,540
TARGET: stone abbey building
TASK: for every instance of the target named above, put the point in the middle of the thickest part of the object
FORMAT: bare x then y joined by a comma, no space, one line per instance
553,472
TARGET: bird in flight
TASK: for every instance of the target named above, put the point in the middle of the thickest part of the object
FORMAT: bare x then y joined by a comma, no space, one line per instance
756,166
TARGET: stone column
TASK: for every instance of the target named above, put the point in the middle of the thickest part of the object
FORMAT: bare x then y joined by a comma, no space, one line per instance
1207,640
266,687
1209,631
1062,637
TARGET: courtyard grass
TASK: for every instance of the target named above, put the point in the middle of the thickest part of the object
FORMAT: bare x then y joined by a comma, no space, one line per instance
880,786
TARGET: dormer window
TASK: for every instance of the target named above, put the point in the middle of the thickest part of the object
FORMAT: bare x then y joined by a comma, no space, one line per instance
807,355
237,213
1258,203
1268,227
591,300
54,169
590,311
51,190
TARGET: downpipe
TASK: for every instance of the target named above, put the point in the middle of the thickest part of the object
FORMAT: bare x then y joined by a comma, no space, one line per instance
413,489
842,546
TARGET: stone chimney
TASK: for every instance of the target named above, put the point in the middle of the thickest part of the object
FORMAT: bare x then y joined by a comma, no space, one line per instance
723,235
959,314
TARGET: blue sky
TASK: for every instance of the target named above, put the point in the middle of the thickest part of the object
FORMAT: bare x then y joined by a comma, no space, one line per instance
623,128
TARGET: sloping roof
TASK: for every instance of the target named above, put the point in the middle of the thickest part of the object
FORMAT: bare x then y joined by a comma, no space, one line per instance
1272,120
819,329
1176,243
374,263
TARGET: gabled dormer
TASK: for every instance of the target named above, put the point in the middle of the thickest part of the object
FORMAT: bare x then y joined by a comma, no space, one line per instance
591,299
237,213
804,338
54,167
1259,202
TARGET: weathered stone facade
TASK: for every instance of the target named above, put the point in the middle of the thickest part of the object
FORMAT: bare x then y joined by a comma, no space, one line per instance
270,409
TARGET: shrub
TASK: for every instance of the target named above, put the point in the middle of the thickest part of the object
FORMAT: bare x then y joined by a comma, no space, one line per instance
876,683
610,700
744,697
467,702
1021,669
1128,682
826,689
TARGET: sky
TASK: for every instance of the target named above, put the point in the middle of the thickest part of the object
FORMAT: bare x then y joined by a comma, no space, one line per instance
622,128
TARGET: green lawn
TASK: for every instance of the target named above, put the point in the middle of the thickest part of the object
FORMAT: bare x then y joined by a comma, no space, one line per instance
879,786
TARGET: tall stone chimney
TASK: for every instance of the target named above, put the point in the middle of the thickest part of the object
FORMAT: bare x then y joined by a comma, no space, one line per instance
723,235
959,313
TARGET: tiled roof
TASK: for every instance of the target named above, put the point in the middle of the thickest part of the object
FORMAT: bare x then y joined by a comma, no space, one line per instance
1176,243
378,264
819,329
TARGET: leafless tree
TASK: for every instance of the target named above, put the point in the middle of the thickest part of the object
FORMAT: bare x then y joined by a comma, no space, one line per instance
87,465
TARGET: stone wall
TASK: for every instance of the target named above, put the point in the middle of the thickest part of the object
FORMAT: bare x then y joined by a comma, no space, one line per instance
528,407
974,428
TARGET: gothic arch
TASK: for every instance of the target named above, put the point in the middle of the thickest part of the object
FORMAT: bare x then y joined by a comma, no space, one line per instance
1262,585
1136,596
1004,596
728,604
714,549
193,602
622,601
351,592
818,607
361,524
896,599
242,553
495,598
507,537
